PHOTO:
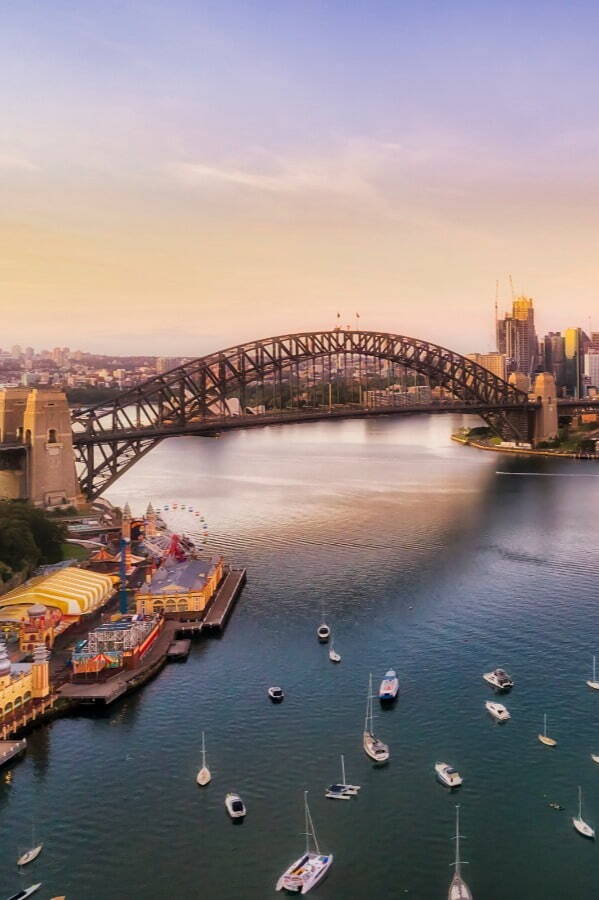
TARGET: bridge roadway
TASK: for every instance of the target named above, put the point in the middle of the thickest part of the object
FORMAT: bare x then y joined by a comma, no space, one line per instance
209,426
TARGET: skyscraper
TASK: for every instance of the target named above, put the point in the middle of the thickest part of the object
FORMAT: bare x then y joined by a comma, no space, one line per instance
591,367
517,338
552,356
574,361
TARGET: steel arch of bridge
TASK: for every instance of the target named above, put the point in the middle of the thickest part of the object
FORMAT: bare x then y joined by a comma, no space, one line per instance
108,439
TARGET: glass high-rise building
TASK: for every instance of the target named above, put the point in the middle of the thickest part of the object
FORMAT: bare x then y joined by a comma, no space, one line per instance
574,361
517,337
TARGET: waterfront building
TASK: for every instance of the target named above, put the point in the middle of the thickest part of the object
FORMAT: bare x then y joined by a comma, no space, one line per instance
494,362
25,691
120,644
517,337
179,586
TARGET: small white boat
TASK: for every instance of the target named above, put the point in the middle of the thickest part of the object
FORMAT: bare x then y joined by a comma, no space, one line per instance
333,655
30,855
26,892
389,687
498,711
235,806
595,758
307,871
374,748
324,632
204,776
499,679
447,775
276,694
593,683
342,791
458,889
579,823
549,742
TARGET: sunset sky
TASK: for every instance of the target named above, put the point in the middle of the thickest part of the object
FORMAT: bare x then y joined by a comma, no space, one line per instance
178,177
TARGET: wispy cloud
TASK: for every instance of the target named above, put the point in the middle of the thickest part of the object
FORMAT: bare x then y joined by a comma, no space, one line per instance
10,161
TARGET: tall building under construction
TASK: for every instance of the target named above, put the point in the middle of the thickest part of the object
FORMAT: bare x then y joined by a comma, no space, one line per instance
517,337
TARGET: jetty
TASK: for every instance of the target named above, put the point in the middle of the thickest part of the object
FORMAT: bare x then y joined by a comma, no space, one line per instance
10,750
224,600
178,651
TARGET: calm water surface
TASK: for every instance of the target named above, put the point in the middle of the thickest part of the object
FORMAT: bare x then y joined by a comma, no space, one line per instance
437,560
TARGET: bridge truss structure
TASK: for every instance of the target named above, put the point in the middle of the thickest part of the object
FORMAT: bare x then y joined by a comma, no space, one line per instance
278,379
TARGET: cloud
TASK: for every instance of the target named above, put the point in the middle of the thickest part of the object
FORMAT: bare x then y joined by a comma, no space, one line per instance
8,161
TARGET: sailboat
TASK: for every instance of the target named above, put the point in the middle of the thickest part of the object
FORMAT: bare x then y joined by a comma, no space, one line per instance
374,748
579,823
307,871
458,889
26,892
342,791
203,776
594,684
31,854
333,655
549,742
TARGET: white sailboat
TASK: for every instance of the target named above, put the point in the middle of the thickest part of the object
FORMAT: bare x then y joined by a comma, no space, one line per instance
549,742
204,776
32,853
458,889
343,790
26,892
374,748
593,683
579,823
595,758
307,871
333,655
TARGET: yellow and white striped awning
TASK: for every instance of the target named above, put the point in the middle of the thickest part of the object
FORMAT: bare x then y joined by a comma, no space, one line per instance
72,590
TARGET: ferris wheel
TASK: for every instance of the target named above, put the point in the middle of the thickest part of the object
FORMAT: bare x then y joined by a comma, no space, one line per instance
185,520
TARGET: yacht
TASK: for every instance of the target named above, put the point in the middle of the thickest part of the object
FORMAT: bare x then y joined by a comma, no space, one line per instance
374,748
447,775
499,679
334,656
544,739
498,711
458,889
235,806
324,632
204,776
311,867
342,791
26,892
389,687
592,682
579,823
276,694
30,855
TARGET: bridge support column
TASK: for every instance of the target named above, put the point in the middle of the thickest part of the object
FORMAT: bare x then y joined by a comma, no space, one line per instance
545,417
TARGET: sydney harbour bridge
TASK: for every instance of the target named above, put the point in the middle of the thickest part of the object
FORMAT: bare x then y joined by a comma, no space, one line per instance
291,378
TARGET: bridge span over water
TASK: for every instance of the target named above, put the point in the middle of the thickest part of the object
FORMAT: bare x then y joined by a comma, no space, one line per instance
288,378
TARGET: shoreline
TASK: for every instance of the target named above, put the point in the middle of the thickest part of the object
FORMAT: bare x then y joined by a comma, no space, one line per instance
524,451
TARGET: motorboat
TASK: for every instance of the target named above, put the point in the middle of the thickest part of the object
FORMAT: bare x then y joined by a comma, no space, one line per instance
204,776
499,679
343,790
311,867
324,632
333,655
447,775
276,694
458,889
544,739
595,758
389,687
554,805
26,892
498,711
579,823
30,855
593,683
375,749
235,806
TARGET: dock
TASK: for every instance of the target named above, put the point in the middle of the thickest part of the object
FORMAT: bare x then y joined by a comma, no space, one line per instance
224,601
178,651
11,749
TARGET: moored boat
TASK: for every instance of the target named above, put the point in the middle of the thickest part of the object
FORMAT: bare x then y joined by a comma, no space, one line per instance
499,679
30,855
307,871
458,889
498,711
26,892
342,791
333,655
447,775
276,694
204,776
373,747
389,687
595,758
579,823
592,682
235,806
544,739
324,632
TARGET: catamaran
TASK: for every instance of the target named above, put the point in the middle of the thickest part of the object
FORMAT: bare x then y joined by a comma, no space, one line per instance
549,742
307,871
203,777
593,683
374,748
342,791
458,889
579,823
389,687
26,892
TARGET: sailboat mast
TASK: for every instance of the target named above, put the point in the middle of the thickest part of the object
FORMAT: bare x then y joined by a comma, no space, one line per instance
306,824
545,724
310,830
579,802
368,703
457,839
203,750
594,677
342,769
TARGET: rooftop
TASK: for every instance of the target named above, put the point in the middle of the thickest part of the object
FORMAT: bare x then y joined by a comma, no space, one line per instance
183,577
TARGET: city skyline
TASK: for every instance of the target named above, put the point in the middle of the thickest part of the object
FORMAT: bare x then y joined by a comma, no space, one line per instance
251,172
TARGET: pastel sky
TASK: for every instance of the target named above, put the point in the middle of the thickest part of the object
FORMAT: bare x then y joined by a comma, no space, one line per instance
176,177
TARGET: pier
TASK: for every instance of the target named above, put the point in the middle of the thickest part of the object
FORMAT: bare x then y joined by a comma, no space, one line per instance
11,749
224,600
178,651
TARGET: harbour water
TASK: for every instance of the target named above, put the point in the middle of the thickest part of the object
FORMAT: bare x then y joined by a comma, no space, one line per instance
431,558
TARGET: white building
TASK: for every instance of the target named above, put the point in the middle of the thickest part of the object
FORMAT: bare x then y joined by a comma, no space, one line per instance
591,367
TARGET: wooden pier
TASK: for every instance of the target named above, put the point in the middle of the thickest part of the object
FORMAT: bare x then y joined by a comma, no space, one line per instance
11,749
222,605
178,651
